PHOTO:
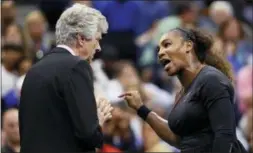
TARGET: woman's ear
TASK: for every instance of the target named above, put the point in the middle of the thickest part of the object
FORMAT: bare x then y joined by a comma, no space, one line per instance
189,46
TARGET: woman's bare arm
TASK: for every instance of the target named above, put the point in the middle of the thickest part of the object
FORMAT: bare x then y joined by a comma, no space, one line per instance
160,126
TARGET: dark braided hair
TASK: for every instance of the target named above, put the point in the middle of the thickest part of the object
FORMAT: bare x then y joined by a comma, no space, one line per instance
203,47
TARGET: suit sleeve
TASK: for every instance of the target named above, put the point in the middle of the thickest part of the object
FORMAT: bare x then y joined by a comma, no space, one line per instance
79,96
217,102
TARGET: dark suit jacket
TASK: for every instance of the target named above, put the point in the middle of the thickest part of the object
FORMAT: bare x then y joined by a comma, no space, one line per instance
58,111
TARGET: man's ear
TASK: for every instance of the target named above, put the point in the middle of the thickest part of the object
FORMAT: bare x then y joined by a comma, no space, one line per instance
80,40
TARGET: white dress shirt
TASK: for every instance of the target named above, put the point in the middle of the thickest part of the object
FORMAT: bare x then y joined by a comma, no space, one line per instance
8,81
67,48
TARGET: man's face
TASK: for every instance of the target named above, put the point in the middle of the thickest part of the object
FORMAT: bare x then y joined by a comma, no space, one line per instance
36,28
11,126
90,47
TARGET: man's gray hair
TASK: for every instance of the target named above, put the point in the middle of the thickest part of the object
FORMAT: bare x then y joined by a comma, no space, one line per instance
79,19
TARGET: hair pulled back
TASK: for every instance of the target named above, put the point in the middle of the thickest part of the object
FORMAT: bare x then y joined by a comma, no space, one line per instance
205,52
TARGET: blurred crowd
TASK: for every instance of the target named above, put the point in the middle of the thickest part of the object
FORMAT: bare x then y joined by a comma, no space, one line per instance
128,61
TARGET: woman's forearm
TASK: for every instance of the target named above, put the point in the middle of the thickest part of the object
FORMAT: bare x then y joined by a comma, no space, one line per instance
160,126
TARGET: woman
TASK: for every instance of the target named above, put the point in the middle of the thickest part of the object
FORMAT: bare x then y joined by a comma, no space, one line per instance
203,118
14,33
234,43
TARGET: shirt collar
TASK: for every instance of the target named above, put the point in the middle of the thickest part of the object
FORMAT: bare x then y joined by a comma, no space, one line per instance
67,48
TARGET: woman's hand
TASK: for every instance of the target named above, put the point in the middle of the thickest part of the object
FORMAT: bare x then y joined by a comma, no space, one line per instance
133,99
158,124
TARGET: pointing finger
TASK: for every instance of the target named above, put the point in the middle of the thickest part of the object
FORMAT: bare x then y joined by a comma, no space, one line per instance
125,94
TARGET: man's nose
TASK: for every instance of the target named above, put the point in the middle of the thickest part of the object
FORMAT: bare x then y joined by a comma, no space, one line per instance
98,48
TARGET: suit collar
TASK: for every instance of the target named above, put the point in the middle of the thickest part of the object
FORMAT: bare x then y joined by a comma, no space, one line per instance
67,48
58,50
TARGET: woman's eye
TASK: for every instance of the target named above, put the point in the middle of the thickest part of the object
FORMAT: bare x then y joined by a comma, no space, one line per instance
166,44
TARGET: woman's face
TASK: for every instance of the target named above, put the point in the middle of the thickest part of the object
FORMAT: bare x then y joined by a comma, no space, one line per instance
174,52
232,32
13,35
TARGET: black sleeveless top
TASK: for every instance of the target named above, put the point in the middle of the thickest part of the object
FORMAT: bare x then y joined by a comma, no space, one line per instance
204,117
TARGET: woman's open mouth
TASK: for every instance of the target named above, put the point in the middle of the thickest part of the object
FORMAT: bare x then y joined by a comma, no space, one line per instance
164,62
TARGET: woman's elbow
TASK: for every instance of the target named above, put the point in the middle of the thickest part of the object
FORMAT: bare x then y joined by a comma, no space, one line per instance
228,134
173,140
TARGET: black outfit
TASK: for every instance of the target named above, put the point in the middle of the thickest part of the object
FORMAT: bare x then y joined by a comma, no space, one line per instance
204,117
57,109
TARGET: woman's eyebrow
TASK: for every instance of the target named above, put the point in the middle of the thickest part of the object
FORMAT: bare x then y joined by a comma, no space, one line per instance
162,43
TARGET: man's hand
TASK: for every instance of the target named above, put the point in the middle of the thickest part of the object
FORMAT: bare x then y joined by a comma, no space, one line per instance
104,109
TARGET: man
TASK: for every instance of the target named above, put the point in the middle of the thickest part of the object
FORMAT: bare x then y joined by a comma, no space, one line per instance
11,131
58,111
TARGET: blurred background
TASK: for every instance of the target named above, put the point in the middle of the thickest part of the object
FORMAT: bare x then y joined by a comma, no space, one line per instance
128,60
